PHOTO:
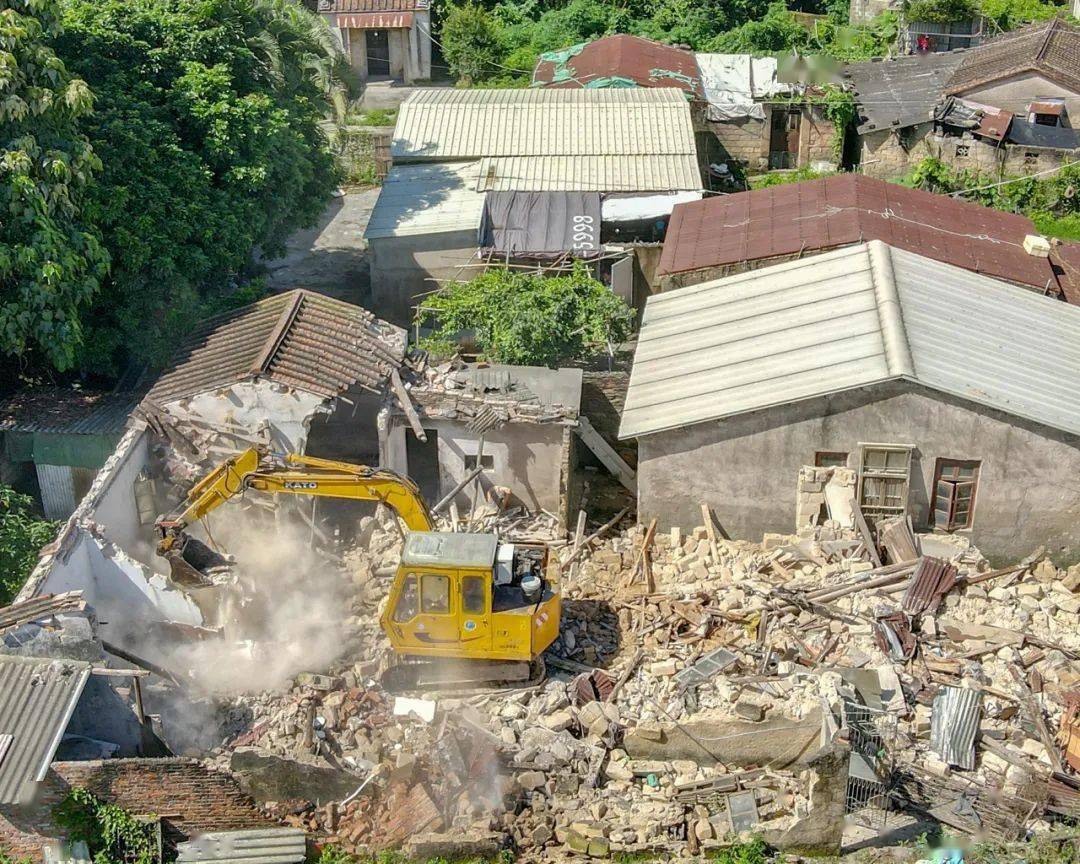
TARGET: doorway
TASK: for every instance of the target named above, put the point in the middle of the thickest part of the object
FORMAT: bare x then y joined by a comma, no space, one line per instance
784,138
422,457
377,43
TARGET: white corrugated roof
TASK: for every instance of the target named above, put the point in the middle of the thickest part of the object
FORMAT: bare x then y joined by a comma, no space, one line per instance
427,199
644,131
852,317
251,846
589,173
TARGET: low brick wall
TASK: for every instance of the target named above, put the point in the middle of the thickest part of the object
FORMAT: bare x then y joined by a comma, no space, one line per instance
186,795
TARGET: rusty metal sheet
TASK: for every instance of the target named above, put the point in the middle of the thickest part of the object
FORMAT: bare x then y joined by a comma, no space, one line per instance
893,636
642,61
933,579
594,686
817,215
1064,795
995,124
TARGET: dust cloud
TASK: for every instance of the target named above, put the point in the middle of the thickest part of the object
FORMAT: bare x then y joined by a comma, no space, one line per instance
284,613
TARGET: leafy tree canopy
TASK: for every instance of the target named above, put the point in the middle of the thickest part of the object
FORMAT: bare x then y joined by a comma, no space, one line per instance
527,319
207,123
51,257
22,535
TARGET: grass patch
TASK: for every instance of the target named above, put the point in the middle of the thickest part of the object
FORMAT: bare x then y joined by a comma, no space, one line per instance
375,117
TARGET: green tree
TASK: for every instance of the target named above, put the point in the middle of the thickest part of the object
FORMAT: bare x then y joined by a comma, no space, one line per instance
51,258
528,319
777,31
208,122
1007,15
22,535
471,42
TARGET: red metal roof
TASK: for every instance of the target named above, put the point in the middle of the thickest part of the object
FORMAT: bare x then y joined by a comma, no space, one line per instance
646,63
1066,260
851,208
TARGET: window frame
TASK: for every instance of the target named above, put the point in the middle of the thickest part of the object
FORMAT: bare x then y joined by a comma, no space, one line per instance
465,607
884,474
956,482
415,579
831,458
423,594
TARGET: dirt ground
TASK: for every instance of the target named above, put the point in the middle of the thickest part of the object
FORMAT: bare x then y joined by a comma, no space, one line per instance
330,257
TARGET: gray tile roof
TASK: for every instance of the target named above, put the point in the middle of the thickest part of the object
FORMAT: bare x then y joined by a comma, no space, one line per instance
902,91
301,339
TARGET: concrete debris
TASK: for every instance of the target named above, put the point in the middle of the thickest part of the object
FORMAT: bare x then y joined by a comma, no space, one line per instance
673,647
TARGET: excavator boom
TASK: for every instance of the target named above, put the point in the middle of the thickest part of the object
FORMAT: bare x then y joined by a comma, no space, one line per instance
293,475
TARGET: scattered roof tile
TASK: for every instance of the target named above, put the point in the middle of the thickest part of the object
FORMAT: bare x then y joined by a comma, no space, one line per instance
300,339
798,218
620,60
1050,48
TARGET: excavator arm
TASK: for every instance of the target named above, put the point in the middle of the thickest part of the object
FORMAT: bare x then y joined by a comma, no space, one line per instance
294,475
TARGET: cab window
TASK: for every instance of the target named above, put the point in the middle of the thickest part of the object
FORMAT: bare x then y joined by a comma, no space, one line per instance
472,594
407,601
435,594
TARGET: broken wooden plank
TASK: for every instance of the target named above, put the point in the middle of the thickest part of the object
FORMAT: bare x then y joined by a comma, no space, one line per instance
710,532
606,454
867,537
407,406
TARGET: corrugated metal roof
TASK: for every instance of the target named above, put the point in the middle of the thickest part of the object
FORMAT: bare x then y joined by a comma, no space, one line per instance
66,411
427,199
849,318
447,124
300,339
40,608
620,56
902,91
589,173
37,698
953,723
932,580
254,846
848,208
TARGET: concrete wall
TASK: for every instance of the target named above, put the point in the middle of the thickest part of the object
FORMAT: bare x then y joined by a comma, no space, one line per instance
402,267
746,467
863,11
1017,92
249,406
528,459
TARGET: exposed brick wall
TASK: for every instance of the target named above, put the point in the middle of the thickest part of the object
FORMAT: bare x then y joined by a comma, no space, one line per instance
188,796
603,395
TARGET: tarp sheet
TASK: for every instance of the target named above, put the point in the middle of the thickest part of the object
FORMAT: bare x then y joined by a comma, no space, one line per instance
1028,134
733,82
541,224
632,208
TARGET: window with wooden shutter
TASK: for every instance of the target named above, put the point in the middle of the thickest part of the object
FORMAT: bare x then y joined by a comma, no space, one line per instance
884,478
955,483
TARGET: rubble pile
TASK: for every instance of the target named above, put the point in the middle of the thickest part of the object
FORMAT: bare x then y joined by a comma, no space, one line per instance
945,678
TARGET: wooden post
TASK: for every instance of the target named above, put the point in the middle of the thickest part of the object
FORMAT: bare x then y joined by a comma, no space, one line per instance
710,532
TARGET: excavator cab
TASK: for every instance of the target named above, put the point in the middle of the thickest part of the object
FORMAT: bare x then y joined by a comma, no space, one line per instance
470,597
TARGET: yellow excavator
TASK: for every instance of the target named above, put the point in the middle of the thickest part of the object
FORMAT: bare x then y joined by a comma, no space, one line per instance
463,608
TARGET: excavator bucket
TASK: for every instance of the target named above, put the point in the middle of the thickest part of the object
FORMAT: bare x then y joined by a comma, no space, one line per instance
193,564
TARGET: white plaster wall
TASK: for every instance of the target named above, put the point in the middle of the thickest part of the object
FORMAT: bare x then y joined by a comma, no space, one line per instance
251,406
527,459
1016,93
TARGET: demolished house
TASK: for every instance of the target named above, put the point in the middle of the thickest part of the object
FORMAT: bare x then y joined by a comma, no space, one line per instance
287,374
942,389
512,177
508,429
1001,107
733,234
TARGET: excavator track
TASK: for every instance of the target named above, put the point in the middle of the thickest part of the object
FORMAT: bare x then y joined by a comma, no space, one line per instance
408,675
